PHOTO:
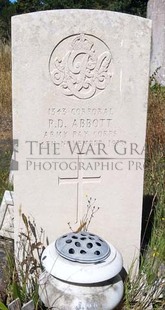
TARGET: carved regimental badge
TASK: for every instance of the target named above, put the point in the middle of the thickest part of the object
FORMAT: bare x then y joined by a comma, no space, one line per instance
84,70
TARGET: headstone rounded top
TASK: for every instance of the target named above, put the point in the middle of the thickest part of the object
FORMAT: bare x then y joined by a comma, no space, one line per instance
80,85
82,247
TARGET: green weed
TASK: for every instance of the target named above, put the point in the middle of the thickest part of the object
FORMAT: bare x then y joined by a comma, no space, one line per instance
24,268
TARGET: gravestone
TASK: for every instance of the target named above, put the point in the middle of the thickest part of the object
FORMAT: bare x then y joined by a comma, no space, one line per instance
156,12
7,215
80,85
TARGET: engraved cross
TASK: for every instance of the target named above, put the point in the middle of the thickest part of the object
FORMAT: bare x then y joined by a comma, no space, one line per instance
79,180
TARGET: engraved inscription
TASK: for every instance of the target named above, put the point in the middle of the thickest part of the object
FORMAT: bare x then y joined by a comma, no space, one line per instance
79,123
79,180
80,66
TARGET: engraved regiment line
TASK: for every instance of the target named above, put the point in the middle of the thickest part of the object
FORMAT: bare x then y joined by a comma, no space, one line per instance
81,72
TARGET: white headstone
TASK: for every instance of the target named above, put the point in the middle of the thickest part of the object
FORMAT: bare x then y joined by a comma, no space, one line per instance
156,12
7,215
80,84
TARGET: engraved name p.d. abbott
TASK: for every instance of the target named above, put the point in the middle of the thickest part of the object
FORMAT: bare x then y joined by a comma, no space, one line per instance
80,66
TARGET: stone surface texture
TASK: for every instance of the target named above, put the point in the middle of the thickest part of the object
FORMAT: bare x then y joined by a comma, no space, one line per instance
6,248
80,85
156,12
7,215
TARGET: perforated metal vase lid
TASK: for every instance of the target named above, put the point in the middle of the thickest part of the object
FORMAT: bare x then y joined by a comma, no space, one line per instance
82,247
